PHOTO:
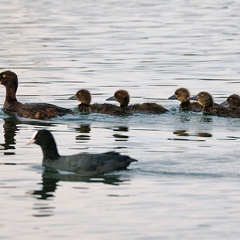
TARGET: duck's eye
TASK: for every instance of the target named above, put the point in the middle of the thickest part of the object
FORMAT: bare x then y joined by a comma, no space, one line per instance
4,75
230,99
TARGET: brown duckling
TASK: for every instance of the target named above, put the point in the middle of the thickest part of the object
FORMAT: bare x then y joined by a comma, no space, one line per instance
209,107
84,96
28,110
232,101
182,95
86,164
122,96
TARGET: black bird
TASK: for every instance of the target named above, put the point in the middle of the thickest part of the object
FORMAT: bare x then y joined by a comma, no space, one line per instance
28,110
83,163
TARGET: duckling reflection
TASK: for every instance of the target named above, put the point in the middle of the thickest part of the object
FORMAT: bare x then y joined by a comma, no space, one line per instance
204,134
209,107
120,137
232,101
185,133
181,133
84,96
84,129
182,95
123,97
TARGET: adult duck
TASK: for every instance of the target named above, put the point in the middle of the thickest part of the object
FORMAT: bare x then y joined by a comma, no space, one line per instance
13,107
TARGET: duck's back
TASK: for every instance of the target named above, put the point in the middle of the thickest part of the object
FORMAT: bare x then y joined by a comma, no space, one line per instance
36,110
147,108
221,111
91,164
191,106
107,108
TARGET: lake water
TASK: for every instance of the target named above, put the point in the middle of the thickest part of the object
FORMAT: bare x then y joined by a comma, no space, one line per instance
186,183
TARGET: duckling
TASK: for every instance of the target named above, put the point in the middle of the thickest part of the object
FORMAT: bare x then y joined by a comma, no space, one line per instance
84,96
182,95
28,110
85,164
232,101
209,107
122,96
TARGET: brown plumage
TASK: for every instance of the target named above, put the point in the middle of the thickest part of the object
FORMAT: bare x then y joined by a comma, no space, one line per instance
28,110
209,107
182,95
123,97
84,96
232,101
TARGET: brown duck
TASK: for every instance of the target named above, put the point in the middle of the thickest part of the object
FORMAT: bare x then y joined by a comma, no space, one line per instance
28,110
209,107
182,95
122,96
232,101
84,96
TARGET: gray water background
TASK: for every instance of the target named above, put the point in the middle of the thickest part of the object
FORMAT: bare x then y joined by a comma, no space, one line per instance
185,184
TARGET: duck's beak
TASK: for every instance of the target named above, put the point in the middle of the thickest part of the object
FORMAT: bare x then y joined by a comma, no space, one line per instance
225,103
111,99
173,97
31,141
72,97
193,98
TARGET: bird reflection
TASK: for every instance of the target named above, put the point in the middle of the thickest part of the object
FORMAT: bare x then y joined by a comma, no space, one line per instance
49,186
84,129
185,133
120,137
181,132
51,179
11,127
204,118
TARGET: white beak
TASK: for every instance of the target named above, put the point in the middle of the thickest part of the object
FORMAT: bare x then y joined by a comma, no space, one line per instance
31,141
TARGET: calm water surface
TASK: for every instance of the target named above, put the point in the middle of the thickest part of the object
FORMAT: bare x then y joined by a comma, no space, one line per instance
185,184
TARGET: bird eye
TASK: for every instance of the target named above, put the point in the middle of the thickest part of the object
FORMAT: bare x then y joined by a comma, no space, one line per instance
4,75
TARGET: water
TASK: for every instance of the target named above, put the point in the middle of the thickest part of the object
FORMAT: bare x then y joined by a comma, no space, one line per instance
185,184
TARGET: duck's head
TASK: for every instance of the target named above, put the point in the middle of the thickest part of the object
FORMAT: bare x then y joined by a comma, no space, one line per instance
232,101
120,96
181,94
203,98
83,95
9,79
